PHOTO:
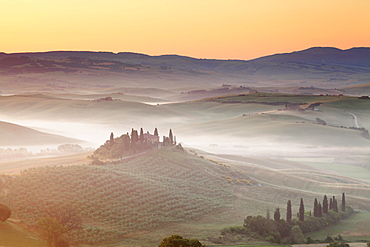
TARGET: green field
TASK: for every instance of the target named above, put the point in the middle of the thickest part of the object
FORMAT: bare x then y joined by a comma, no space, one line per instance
354,228
346,170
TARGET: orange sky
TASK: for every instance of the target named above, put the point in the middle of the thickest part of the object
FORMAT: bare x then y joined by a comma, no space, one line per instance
224,29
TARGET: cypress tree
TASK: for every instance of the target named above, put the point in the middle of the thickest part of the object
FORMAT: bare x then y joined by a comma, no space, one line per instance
343,202
170,136
111,139
134,139
325,206
335,204
316,208
289,211
319,210
301,211
156,132
277,214
127,142
141,135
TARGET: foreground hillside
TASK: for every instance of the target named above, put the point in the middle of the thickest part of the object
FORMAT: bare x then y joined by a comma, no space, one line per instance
142,199
161,187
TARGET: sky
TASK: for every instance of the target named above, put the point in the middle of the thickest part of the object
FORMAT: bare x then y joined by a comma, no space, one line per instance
220,29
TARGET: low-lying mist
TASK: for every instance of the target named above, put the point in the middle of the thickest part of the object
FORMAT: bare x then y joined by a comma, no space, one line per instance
94,134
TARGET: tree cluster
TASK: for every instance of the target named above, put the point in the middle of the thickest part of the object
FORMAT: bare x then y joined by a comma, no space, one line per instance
291,230
57,222
130,144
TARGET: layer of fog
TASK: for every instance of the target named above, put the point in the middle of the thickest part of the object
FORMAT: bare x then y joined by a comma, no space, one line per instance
93,135
265,147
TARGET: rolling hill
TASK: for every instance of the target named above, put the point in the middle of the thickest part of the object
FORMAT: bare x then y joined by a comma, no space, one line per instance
19,136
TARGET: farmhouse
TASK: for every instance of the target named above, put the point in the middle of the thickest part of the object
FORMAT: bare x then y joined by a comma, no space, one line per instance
151,138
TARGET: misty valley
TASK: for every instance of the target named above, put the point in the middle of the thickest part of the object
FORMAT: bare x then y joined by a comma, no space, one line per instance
125,149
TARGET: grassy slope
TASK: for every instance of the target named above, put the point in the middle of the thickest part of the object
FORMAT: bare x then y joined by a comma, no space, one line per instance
295,127
358,90
353,228
279,128
14,135
46,108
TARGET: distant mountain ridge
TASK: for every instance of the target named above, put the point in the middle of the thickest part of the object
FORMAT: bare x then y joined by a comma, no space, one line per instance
323,67
357,56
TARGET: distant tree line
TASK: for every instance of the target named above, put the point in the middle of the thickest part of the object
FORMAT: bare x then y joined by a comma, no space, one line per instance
14,153
130,144
364,97
291,230
364,132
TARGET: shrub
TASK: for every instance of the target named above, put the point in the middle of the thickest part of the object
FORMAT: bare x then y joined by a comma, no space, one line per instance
309,240
328,239
5,212
177,241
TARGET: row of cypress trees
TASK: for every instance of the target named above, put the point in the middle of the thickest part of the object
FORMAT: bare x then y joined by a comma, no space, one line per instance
292,230
318,209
